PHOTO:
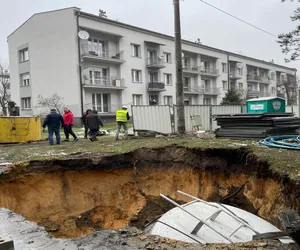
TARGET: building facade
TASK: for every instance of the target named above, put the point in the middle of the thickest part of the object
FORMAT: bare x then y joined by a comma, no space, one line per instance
118,64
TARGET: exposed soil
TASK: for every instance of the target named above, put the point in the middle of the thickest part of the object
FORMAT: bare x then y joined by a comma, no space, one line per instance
75,197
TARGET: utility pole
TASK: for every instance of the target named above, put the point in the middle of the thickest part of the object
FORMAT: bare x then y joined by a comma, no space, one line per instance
179,79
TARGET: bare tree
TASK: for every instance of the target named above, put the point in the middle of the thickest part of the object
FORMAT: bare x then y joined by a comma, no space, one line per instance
291,89
4,88
46,103
290,42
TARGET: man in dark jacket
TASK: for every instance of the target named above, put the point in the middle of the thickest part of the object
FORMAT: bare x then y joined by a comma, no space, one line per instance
93,122
54,121
83,120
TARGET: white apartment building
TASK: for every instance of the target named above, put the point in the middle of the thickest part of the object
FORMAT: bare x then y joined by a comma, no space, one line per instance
120,64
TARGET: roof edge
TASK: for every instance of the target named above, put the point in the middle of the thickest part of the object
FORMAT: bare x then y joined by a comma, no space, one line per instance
44,12
121,24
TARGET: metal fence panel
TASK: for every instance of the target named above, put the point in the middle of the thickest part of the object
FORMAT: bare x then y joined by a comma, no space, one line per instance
224,110
294,109
155,118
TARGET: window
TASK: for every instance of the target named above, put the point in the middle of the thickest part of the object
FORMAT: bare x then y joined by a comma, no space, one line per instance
273,91
240,85
136,75
24,55
137,99
25,80
99,77
167,58
207,101
224,67
186,62
240,71
272,76
135,50
153,76
96,47
168,100
186,83
168,79
187,102
26,103
101,102
153,99
225,86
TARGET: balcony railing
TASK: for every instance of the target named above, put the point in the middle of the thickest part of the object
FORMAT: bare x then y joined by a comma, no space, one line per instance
156,86
265,79
191,69
211,91
192,89
253,93
105,82
102,54
209,71
236,74
155,62
264,94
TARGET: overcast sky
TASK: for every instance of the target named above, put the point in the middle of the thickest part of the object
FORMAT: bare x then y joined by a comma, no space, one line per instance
197,21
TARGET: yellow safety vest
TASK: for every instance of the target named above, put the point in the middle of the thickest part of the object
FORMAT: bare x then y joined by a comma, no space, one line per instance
121,115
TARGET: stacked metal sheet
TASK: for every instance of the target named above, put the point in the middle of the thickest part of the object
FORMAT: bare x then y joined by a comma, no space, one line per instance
257,126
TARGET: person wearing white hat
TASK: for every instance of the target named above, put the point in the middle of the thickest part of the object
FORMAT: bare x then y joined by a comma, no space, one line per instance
122,117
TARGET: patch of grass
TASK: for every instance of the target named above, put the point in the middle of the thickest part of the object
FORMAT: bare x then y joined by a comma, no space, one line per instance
280,160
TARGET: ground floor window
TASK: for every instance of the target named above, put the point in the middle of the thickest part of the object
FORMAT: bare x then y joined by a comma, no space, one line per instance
168,100
137,99
207,101
101,102
187,102
26,103
153,99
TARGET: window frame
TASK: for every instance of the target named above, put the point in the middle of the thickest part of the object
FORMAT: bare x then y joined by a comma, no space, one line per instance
168,100
138,46
224,67
22,55
95,102
225,82
26,103
167,56
27,80
133,75
168,78
135,99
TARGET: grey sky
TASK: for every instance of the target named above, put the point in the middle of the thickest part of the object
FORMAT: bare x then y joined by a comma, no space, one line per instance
198,21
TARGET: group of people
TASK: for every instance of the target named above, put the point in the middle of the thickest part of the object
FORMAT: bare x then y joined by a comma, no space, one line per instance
90,120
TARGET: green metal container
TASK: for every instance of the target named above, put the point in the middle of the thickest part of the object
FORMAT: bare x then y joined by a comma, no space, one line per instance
266,105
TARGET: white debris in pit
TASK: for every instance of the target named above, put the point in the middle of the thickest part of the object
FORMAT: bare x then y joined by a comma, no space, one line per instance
208,222
239,144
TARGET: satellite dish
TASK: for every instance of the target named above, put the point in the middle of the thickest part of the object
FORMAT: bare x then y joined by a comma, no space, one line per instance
83,35
240,65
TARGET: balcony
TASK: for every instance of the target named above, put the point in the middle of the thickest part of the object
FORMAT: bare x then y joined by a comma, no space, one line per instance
155,63
253,93
209,72
105,83
253,78
235,74
264,94
211,91
265,80
196,90
156,87
189,69
104,55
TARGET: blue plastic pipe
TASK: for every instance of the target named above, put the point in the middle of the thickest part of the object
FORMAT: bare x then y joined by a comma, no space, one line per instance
283,141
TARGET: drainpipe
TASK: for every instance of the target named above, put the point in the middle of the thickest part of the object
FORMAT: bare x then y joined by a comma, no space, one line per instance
79,60
228,73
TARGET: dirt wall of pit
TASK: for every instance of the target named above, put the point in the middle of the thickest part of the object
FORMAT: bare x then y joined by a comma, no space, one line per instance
71,198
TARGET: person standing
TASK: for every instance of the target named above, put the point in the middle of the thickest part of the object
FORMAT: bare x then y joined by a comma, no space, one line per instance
83,120
54,122
68,124
122,117
93,122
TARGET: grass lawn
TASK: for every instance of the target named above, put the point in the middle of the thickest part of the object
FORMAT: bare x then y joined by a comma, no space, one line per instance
280,160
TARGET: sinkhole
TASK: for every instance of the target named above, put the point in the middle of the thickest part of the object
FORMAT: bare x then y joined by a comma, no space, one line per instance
74,197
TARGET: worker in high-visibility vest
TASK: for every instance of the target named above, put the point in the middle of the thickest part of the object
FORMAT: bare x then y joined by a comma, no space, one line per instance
122,117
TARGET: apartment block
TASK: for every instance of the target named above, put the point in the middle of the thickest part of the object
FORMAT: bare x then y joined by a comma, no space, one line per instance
118,64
